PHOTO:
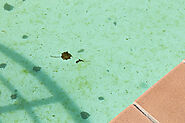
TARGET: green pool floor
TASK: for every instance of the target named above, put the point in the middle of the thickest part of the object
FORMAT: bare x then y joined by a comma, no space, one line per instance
118,50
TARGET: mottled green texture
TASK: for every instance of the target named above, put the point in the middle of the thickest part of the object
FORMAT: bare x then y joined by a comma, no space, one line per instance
128,46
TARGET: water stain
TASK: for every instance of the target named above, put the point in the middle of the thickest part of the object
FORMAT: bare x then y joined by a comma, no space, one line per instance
3,65
84,115
8,7
66,56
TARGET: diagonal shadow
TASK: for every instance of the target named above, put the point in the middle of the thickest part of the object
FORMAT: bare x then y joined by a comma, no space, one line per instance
34,103
28,109
51,85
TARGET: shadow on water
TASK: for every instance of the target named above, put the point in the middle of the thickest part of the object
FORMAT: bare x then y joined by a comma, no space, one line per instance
58,93
28,109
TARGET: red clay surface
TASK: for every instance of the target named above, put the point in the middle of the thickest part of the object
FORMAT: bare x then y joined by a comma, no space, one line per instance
164,102
130,115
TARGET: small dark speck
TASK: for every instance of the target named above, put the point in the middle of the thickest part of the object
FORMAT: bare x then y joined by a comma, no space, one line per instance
79,60
53,115
124,67
24,36
100,98
15,90
36,69
13,96
84,115
137,71
126,38
23,0
126,91
3,65
8,7
81,50
107,70
115,23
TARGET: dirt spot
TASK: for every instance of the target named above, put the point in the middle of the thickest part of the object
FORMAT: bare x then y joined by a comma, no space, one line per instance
8,7
3,65
13,96
24,36
101,98
115,23
36,69
81,50
84,115
66,56
79,60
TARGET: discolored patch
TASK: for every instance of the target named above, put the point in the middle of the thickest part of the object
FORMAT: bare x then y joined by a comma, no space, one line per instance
8,7
66,56
84,115
36,69
3,65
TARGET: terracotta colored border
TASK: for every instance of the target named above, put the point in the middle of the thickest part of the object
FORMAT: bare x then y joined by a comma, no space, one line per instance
131,115
164,101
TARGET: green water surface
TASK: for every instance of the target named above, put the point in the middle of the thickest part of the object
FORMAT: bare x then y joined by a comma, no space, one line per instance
124,47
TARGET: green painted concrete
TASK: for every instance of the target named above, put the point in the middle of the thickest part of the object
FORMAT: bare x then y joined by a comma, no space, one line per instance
125,46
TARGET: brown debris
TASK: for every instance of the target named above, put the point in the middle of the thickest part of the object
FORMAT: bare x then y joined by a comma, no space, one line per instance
79,60
66,56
